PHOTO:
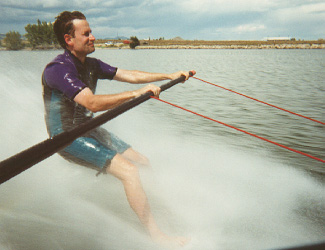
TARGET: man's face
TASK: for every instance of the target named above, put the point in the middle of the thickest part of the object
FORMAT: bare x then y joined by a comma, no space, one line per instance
83,40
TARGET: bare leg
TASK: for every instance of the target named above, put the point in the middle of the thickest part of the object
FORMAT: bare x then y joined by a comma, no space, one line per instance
134,156
129,175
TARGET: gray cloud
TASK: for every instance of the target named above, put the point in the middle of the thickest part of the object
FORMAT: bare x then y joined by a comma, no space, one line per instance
190,19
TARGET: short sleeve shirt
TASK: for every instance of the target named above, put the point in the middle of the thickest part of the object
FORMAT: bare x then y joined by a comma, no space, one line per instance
65,73
63,78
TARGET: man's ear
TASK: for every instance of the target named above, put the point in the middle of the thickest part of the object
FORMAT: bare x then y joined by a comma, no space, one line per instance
68,39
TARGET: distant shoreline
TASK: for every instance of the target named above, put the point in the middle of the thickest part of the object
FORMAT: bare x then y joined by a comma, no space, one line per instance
276,46
196,44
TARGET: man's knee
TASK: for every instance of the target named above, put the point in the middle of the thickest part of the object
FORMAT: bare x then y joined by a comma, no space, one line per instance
122,168
136,157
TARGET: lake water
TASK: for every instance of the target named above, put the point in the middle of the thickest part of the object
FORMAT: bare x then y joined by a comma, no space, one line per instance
222,188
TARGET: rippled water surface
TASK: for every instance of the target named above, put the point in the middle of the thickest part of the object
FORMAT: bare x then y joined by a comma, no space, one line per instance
223,188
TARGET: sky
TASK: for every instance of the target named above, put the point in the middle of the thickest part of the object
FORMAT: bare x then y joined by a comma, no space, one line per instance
188,19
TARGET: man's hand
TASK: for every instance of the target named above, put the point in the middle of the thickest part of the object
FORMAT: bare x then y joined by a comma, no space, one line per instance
150,87
156,90
181,73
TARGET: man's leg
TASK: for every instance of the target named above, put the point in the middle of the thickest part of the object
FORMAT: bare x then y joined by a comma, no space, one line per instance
129,176
135,157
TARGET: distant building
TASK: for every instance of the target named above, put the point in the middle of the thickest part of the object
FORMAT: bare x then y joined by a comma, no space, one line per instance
279,39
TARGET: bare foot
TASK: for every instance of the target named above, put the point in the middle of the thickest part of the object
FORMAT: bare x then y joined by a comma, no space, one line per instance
168,241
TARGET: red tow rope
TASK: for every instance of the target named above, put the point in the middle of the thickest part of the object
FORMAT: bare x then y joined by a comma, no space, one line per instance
241,130
314,120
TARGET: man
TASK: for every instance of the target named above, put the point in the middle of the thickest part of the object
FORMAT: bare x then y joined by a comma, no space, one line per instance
69,84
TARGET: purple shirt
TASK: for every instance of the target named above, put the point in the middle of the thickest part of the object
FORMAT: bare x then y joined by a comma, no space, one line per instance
63,74
63,79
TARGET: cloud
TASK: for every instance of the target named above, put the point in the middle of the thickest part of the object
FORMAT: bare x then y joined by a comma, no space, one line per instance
304,12
34,4
190,19
249,28
226,6
250,31
304,21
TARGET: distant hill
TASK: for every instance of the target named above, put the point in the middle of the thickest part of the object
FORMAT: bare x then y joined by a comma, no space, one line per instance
2,36
177,39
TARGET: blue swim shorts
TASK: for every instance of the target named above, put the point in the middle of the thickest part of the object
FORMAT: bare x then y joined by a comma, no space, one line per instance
95,149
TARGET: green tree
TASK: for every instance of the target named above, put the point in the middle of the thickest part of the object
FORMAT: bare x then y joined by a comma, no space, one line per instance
134,42
13,41
41,33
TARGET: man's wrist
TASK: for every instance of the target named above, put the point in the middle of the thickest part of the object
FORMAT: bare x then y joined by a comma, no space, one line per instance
134,93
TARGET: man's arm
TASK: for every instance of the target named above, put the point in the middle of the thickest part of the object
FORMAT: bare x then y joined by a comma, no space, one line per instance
135,76
97,103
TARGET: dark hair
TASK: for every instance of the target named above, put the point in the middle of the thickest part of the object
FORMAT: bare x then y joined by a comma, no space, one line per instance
64,25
